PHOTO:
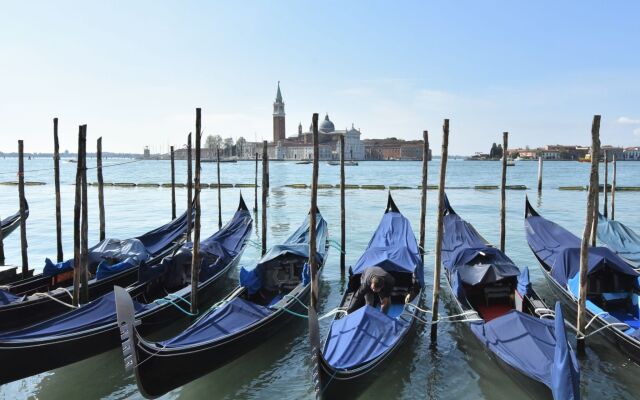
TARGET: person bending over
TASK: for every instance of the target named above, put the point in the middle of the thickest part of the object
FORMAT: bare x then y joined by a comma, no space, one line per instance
374,281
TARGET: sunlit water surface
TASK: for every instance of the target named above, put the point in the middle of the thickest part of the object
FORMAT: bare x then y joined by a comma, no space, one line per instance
279,368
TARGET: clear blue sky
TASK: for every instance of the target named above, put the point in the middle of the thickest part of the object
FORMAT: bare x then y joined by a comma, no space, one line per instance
135,71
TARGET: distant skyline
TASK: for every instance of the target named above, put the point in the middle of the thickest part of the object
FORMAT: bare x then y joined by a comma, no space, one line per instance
134,72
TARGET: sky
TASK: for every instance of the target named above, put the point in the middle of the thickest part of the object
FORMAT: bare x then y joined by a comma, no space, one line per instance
134,72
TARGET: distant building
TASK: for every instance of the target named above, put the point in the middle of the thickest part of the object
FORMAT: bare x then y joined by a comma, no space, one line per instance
393,149
279,132
631,153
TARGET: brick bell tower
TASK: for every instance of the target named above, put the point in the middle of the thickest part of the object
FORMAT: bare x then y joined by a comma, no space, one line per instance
278,117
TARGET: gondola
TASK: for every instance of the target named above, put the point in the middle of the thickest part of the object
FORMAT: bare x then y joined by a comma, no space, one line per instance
161,295
613,288
621,239
267,298
360,343
496,299
114,262
10,223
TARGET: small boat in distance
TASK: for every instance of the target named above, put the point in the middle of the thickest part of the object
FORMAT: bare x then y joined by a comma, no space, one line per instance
304,162
347,163
511,163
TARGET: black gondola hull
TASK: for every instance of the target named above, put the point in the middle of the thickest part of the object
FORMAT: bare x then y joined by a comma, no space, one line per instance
158,375
36,357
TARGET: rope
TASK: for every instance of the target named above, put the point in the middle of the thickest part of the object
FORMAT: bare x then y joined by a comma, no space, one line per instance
166,300
327,384
55,299
87,168
336,245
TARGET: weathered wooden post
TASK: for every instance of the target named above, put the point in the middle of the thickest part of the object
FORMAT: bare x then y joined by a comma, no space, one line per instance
503,192
584,247
596,200
219,192
56,177
439,228
606,183
189,190
313,262
23,210
343,225
173,185
613,190
84,225
195,259
100,189
423,194
265,189
255,188
77,269
539,174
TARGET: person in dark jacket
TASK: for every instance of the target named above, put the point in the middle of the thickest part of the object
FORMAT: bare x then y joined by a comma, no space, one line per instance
374,281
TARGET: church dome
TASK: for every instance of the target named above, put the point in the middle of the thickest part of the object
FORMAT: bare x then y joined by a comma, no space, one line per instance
326,126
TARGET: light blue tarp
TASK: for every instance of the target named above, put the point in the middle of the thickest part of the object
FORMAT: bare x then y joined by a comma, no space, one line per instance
360,337
560,249
620,238
393,247
524,283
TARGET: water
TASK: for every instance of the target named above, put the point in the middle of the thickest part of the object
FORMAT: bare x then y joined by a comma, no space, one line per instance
458,368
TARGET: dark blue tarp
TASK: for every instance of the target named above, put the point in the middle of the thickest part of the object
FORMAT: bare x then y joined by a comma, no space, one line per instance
565,375
560,249
297,244
468,253
393,247
223,321
8,298
526,343
99,312
106,270
51,269
215,252
620,238
360,337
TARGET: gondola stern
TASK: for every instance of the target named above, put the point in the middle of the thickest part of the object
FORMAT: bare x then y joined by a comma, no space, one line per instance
391,205
242,206
528,209
447,206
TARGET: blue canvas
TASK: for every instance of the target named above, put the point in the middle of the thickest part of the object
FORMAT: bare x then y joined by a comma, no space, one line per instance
620,238
565,375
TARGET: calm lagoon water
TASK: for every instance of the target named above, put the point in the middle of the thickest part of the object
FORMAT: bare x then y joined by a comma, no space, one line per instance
457,368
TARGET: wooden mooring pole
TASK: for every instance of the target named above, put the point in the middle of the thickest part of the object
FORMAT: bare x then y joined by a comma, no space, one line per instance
539,174
23,210
439,229
56,178
313,262
613,190
343,224
265,189
219,192
100,189
189,190
606,183
423,190
76,223
255,188
84,225
503,193
584,246
173,185
195,259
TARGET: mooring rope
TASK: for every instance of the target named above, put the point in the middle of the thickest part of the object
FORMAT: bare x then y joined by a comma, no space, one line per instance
169,300
42,294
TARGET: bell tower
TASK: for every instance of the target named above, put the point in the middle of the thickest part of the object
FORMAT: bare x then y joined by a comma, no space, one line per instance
278,117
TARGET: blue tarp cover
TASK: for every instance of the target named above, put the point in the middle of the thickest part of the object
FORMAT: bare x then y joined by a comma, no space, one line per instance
468,253
215,252
524,283
360,337
51,269
393,247
619,238
297,244
524,342
8,298
560,249
106,270
223,321
565,375
99,312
